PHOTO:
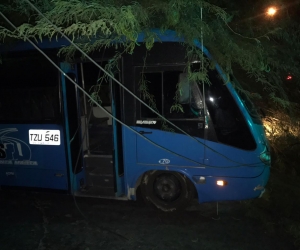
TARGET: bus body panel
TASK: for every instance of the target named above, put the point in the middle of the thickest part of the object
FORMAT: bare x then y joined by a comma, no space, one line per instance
236,188
168,148
25,164
245,181
234,162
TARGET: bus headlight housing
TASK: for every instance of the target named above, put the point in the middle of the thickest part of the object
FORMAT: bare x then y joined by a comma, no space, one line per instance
265,157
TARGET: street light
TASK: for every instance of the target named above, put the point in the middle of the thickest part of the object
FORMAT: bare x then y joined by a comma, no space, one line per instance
271,11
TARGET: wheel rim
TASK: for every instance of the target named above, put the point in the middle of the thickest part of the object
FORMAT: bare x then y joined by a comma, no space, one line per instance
167,187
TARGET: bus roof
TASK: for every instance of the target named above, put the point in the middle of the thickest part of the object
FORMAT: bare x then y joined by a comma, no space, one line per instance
166,36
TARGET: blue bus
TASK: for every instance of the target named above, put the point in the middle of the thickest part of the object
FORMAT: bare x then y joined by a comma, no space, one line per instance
52,136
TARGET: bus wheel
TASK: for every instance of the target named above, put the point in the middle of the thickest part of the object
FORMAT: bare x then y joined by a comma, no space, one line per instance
168,191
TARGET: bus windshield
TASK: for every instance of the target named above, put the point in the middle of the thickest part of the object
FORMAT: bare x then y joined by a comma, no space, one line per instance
247,102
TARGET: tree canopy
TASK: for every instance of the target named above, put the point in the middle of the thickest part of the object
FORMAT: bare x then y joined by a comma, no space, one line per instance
239,34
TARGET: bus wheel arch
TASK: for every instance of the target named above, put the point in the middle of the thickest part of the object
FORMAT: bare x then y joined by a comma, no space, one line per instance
167,190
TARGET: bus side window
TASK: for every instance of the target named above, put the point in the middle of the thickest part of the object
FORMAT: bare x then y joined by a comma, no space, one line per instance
195,99
32,94
174,97
186,100
97,85
47,107
152,93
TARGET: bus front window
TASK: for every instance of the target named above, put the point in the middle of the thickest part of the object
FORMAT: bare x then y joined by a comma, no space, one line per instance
229,121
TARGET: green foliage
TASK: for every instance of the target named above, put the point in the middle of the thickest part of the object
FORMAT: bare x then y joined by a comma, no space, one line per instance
279,206
281,102
111,67
284,137
177,107
233,32
145,94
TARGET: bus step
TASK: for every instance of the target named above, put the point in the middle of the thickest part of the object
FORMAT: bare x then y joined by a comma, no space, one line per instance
100,180
92,191
99,164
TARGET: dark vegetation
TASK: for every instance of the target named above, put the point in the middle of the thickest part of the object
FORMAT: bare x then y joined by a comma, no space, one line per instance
280,205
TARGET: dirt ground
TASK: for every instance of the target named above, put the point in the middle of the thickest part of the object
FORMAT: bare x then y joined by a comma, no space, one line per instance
55,221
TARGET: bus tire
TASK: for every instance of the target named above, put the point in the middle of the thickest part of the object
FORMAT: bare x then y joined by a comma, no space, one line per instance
168,191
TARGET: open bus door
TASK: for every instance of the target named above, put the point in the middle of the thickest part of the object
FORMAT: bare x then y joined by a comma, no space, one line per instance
93,147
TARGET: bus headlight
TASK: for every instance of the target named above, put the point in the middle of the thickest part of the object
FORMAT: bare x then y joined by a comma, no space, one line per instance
265,157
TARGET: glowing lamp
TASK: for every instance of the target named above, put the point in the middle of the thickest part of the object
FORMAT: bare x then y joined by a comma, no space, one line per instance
289,77
271,11
221,183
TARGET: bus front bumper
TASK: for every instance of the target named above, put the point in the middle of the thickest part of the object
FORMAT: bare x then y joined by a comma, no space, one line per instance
215,188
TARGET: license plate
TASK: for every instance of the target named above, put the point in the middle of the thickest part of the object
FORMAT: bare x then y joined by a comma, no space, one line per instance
44,137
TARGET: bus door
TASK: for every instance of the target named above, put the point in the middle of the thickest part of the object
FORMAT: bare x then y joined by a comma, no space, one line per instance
71,113
98,131
168,91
